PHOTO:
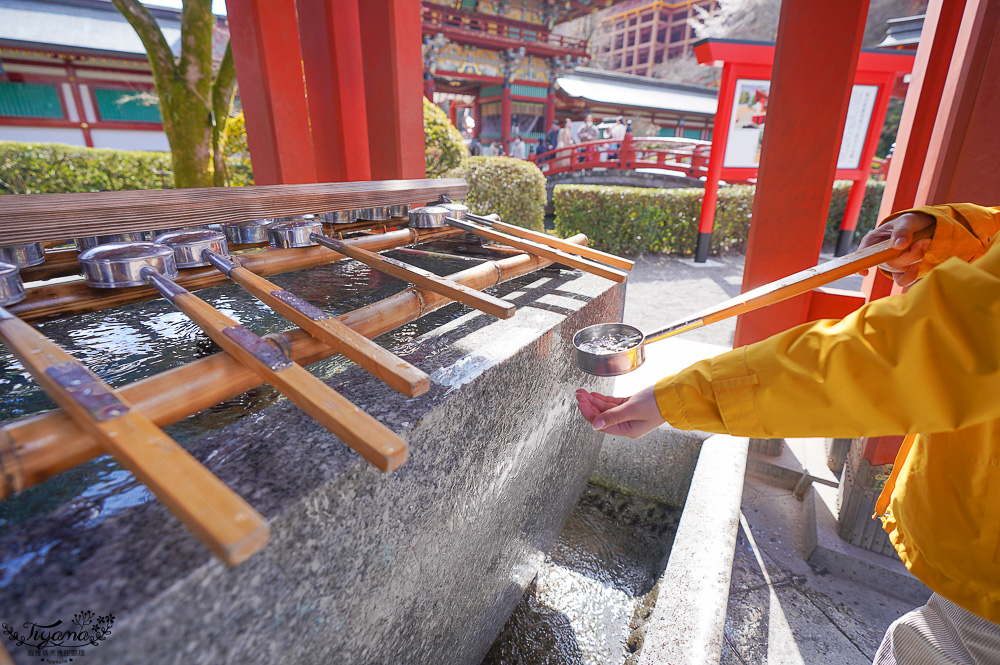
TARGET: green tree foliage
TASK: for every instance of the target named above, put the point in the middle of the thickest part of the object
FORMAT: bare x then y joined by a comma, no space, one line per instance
191,95
443,146
633,220
512,188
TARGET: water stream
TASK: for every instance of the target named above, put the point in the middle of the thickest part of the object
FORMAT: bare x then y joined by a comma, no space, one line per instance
595,588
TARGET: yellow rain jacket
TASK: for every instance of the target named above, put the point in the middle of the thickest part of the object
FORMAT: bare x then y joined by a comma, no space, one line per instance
925,363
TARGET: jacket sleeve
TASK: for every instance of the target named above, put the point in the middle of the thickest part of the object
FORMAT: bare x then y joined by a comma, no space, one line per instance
963,230
924,361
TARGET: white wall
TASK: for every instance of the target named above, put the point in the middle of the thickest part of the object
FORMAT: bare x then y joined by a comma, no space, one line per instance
128,139
66,135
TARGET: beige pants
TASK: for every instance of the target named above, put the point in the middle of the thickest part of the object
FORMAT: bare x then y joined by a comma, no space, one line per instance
940,633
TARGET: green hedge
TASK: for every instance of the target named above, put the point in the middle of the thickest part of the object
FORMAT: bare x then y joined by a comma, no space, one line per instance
443,145
633,220
512,188
53,168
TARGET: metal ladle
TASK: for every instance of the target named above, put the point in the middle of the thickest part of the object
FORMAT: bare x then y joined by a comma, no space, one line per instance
610,349
202,248
133,264
213,512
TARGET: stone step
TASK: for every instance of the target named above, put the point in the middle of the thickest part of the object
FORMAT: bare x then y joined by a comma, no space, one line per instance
823,548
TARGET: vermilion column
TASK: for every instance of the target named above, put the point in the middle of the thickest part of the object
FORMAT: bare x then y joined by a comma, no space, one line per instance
330,32
550,106
815,59
265,43
505,116
923,97
393,64
715,160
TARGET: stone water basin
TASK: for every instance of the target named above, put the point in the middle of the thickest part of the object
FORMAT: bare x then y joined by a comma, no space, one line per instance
423,565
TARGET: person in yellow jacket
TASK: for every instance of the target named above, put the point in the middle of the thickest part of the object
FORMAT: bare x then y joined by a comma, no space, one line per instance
925,363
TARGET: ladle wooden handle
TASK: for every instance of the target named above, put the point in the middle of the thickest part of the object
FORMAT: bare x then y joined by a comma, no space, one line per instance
557,243
467,295
543,251
790,286
230,527
370,438
381,363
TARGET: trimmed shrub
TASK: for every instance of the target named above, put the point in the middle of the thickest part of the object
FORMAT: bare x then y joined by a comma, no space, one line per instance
512,188
52,168
443,146
633,220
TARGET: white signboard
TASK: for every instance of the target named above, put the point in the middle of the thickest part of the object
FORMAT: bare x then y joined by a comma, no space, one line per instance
859,116
746,124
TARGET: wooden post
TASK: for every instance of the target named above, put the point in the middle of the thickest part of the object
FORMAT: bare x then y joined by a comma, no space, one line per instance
505,116
550,105
815,60
334,71
265,42
715,159
393,65
965,141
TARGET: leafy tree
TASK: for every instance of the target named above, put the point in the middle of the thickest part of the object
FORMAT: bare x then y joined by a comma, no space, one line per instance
194,100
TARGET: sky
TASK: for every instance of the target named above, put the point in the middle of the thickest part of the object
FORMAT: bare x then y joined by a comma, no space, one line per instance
218,6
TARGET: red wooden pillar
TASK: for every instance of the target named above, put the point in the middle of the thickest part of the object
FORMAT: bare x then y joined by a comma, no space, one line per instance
715,159
74,85
815,59
265,43
930,71
478,116
393,64
429,85
505,116
330,32
961,152
550,105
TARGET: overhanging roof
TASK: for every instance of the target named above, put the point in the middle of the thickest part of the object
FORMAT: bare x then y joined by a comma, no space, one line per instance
79,24
616,89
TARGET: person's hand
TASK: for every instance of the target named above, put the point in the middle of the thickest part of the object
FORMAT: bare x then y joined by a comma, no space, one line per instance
632,416
903,268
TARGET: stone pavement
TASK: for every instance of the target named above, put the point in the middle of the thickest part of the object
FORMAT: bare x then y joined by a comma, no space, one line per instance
782,610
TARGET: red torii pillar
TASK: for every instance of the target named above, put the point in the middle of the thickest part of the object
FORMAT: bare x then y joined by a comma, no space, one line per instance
816,56
360,73
550,106
925,128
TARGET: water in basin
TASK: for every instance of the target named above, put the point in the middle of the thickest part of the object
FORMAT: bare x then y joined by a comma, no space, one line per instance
595,588
128,343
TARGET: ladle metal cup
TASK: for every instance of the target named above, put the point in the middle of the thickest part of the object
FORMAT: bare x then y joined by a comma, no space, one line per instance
118,265
213,512
614,361
202,248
